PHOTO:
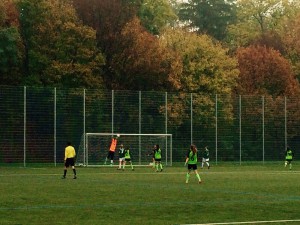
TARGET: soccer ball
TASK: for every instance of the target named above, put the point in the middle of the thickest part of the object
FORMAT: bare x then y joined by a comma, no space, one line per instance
118,135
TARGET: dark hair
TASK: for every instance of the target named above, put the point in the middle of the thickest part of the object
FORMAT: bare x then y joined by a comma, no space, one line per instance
69,143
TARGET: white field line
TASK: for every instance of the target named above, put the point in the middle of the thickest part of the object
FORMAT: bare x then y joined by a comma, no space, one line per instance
250,222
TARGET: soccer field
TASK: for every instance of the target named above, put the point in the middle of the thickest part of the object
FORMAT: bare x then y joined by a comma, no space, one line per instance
229,194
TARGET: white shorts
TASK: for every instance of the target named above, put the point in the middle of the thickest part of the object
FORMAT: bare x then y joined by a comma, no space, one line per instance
205,160
121,159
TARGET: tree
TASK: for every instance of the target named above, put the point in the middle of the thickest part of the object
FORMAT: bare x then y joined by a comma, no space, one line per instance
59,49
207,70
209,17
141,62
11,48
257,19
263,71
155,15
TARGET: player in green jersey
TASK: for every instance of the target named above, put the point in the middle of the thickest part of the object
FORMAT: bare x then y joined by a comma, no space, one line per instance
191,160
157,158
128,159
289,154
205,158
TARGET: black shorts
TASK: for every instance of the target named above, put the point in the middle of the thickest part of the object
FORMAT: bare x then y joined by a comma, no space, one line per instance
111,155
127,160
69,162
192,166
157,160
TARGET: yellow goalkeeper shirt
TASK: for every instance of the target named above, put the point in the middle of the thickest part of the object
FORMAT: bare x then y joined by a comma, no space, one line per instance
70,152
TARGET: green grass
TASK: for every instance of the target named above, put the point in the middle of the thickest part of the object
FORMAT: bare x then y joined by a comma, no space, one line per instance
229,193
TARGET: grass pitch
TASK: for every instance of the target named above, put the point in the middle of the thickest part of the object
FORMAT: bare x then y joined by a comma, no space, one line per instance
228,194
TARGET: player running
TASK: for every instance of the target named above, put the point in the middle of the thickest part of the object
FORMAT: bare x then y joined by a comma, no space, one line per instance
205,158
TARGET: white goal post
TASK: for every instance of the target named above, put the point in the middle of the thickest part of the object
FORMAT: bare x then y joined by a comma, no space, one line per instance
94,147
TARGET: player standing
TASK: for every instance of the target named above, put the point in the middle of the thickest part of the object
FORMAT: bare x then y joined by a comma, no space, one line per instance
157,158
191,160
289,154
121,156
128,159
69,159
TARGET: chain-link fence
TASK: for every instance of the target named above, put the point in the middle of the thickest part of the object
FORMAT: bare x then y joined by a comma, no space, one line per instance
37,122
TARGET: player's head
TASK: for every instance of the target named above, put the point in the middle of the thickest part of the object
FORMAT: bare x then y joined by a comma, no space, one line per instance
193,148
156,146
121,146
69,143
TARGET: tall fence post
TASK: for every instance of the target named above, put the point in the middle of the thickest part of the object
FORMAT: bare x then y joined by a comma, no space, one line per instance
54,127
263,128
140,127
112,110
285,124
24,130
191,118
216,140
84,131
240,126
166,124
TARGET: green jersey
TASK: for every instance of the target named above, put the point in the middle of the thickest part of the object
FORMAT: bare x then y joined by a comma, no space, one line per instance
192,157
127,154
157,154
289,154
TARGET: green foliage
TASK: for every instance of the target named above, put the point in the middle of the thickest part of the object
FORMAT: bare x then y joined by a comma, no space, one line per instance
155,15
209,16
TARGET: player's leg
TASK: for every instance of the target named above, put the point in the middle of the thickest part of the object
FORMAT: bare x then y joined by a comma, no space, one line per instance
290,163
207,162
187,177
120,163
74,172
112,158
202,163
285,163
197,174
66,168
161,166
124,164
131,165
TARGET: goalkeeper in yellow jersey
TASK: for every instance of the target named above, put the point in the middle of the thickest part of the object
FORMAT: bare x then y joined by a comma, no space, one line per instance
69,159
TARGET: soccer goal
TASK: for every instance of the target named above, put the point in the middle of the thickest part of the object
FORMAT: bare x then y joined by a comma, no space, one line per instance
94,147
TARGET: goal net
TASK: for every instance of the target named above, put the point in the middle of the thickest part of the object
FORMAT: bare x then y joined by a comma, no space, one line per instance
94,148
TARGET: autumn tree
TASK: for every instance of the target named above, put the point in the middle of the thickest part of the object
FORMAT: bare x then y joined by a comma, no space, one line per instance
59,49
207,70
141,62
263,71
11,47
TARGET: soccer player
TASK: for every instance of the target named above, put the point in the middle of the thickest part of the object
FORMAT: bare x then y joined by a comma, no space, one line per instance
128,159
69,159
191,160
121,156
289,154
205,158
112,149
157,158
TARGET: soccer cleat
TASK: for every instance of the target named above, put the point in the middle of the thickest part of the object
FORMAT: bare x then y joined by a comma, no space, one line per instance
63,177
186,182
208,167
161,170
200,181
132,169
74,177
